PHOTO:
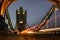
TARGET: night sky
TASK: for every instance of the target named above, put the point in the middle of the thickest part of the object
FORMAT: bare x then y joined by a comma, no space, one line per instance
36,10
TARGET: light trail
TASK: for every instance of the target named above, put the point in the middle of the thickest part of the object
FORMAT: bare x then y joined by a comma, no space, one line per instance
5,5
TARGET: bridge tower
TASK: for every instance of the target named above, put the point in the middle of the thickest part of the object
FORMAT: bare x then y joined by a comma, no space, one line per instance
21,19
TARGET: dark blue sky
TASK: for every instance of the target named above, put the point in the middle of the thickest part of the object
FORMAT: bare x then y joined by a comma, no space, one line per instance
36,10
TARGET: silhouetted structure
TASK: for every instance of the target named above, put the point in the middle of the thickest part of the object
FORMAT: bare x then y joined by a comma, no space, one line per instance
3,25
4,4
21,19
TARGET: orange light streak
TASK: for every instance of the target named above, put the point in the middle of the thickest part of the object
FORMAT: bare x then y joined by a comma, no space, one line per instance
5,5
29,30
55,2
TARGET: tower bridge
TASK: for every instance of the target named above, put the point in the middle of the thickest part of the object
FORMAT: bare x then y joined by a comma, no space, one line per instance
40,25
34,31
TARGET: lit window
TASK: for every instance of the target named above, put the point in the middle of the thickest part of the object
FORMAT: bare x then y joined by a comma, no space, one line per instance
18,12
23,13
21,22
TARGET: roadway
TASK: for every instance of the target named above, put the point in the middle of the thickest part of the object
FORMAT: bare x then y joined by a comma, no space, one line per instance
45,34
30,37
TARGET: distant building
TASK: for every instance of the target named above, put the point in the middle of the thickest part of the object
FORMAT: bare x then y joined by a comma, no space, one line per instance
21,19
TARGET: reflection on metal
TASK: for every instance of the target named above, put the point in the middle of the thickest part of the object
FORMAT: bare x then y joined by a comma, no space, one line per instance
9,20
46,18
49,30
4,4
